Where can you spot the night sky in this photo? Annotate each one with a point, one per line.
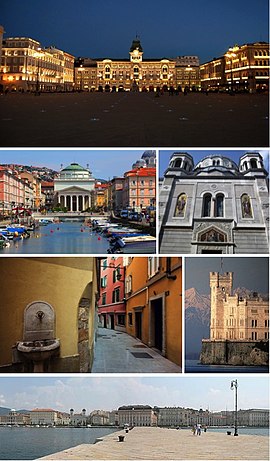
(249, 272)
(106, 28)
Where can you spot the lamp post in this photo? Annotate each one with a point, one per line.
(38, 69)
(234, 385)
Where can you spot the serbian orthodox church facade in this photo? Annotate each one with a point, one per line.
(214, 206)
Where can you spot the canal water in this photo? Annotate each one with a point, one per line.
(60, 238)
(34, 442)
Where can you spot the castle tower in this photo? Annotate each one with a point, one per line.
(221, 287)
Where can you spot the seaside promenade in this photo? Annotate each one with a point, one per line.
(151, 443)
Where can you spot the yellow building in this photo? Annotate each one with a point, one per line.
(137, 73)
(154, 304)
(52, 298)
(26, 66)
(245, 67)
(234, 317)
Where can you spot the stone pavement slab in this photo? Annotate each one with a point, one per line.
(118, 352)
(149, 443)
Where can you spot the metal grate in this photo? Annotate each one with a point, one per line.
(141, 355)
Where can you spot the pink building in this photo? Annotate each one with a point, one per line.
(11, 190)
(111, 305)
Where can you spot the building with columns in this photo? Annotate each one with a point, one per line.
(214, 205)
(137, 415)
(73, 188)
(137, 73)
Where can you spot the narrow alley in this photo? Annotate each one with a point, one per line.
(117, 352)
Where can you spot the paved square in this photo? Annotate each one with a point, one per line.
(133, 120)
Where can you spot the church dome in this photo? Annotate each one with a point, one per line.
(216, 164)
(74, 170)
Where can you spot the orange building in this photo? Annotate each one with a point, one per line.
(154, 303)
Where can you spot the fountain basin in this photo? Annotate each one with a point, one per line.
(39, 351)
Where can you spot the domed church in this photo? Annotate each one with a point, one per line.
(73, 187)
(214, 206)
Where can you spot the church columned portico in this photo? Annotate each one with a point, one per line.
(74, 187)
(75, 202)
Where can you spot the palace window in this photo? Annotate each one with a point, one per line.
(116, 295)
(103, 300)
(104, 281)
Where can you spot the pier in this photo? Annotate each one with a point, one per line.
(154, 443)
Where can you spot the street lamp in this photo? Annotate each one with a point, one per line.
(37, 55)
(234, 385)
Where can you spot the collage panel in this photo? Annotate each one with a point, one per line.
(115, 314)
(214, 201)
(174, 418)
(227, 314)
(51, 204)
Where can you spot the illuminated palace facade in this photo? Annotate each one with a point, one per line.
(137, 73)
(26, 66)
(244, 67)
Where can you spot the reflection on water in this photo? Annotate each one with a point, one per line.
(60, 238)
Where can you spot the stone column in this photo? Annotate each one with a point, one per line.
(65, 201)
(77, 203)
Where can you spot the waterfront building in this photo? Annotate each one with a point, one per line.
(113, 418)
(62, 291)
(137, 415)
(43, 417)
(11, 190)
(99, 418)
(26, 66)
(111, 304)
(242, 67)
(215, 206)
(139, 187)
(47, 189)
(239, 325)
(254, 417)
(136, 73)
(13, 418)
(234, 317)
(78, 419)
(73, 188)
(35, 184)
(173, 416)
(116, 192)
(100, 196)
(154, 304)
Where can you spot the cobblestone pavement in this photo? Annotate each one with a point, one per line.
(162, 444)
(133, 120)
(117, 352)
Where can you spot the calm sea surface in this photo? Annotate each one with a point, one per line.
(33, 442)
(193, 366)
(60, 238)
(264, 431)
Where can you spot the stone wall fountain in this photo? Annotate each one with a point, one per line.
(39, 344)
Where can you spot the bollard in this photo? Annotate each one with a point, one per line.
(121, 438)
(228, 432)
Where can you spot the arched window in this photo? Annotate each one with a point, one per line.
(180, 207)
(253, 163)
(219, 208)
(246, 206)
(136, 71)
(206, 210)
(178, 163)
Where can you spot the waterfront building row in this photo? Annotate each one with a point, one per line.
(75, 189)
(27, 66)
(137, 416)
